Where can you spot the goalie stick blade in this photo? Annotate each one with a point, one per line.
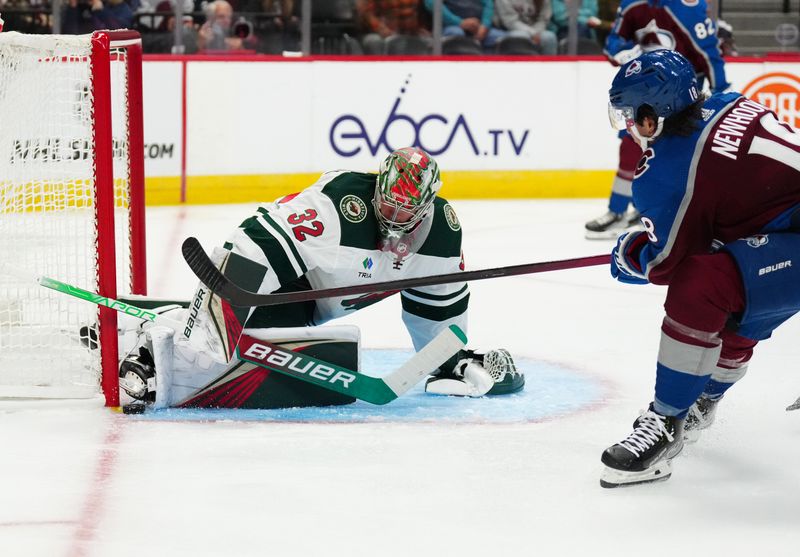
(368, 388)
(205, 270)
(435, 353)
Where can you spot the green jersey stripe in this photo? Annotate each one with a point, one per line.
(299, 260)
(435, 313)
(441, 297)
(273, 249)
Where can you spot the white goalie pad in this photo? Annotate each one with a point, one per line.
(183, 370)
(349, 333)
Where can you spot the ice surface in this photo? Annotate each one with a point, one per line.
(416, 477)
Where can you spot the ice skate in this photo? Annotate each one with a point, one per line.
(646, 454)
(701, 415)
(610, 225)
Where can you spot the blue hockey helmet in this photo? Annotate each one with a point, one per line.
(662, 79)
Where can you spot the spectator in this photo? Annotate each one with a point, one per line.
(389, 18)
(85, 16)
(559, 23)
(163, 38)
(111, 14)
(280, 32)
(470, 18)
(162, 6)
(220, 33)
(606, 14)
(76, 18)
(529, 17)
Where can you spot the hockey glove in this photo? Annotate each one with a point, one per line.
(468, 378)
(625, 265)
(624, 56)
(475, 374)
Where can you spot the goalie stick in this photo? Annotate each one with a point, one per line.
(375, 390)
(207, 272)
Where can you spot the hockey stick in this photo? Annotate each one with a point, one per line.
(324, 374)
(93, 297)
(376, 390)
(116, 305)
(209, 275)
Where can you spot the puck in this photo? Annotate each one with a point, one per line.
(133, 408)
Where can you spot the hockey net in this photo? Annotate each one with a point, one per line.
(71, 207)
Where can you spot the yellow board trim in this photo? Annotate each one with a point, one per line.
(484, 184)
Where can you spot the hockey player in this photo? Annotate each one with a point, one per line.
(641, 26)
(718, 187)
(348, 228)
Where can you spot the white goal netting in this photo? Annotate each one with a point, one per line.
(48, 220)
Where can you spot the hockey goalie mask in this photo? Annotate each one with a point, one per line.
(407, 183)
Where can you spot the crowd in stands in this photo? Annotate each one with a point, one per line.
(369, 27)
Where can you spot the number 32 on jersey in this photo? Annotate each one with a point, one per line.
(305, 224)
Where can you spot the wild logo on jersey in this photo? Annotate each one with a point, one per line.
(451, 218)
(353, 209)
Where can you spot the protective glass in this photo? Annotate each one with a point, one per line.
(621, 117)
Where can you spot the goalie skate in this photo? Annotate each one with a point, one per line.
(137, 376)
(646, 454)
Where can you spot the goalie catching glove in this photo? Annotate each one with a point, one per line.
(475, 374)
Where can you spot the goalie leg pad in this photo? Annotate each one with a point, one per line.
(246, 383)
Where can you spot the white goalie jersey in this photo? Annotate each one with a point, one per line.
(328, 234)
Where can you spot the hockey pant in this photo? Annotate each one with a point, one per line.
(718, 307)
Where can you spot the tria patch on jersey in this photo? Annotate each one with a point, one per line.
(353, 209)
(451, 218)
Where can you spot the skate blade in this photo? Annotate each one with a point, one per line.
(692, 436)
(611, 478)
(604, 235)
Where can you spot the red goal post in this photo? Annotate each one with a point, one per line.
(71, 207)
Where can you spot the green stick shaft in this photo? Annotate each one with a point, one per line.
(116, 305)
